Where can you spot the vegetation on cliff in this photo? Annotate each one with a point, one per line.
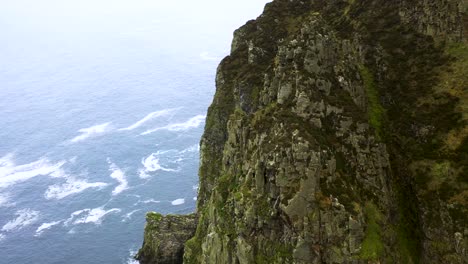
(338, 134)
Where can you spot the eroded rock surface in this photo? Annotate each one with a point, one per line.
(165, 237)
(339, 134)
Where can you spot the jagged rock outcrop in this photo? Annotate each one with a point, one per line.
(165, 237)
(339, 134)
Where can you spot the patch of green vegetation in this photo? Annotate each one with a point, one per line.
(440, 171)
(226, 184)
(274, 252)
(193, 247)
(348, 7)
(375, 109)
(153, 216)
(372, 246)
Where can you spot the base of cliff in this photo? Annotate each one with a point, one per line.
(165, 237)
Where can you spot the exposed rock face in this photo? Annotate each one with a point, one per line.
(339, 134)
(165, 237)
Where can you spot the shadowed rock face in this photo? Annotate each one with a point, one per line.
(165, 237)
(338, 134)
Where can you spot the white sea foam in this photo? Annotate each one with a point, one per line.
(2, 237)
(152, 164)
(149, 117)
(195, 187)
(11, 174)
(70, 187)
(90, 216)
(178, 202)
(93, 131)
(118, 175)
(146, 202)
(131, 260)
(143, 174)
(195, 198)
(193, 122)
(128, 216)
(150, 201)
(46, 226)
(24, 217)
(5, 200)
(6, 161)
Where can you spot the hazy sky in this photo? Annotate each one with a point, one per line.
(40, 29)
(122, 15)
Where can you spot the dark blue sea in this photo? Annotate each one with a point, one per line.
(102, 106)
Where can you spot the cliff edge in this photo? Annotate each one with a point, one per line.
(338, 134)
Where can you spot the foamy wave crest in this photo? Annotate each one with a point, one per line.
(72, 186)
(178, 202)
(119, 176)
(130, 259)
(24, 217)
(46, 226)
(143, 174)
(146, 202)
(193, 122)
(150, 201)
(152, 164)
(93, 131)
(5, 200)
(11, 174)
(128, 216)
(149, 117)
(2, 237)
(90, 216)
(6, 161)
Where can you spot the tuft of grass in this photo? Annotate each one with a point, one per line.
(156, 217)
(372, 246)
(375, 109)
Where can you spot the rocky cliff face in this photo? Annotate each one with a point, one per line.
(338, 134)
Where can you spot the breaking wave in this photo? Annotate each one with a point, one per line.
(5, 200)
(46, 226)
(70, 187)
(93, 131)
(90, 216)
(152, 164)
(11, 174)
(149, 117)
(193, 122)
(24, 217)
(119, 176)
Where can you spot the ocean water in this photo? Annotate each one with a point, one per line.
(102, 105)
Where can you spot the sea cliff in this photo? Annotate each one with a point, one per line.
(338, 134)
